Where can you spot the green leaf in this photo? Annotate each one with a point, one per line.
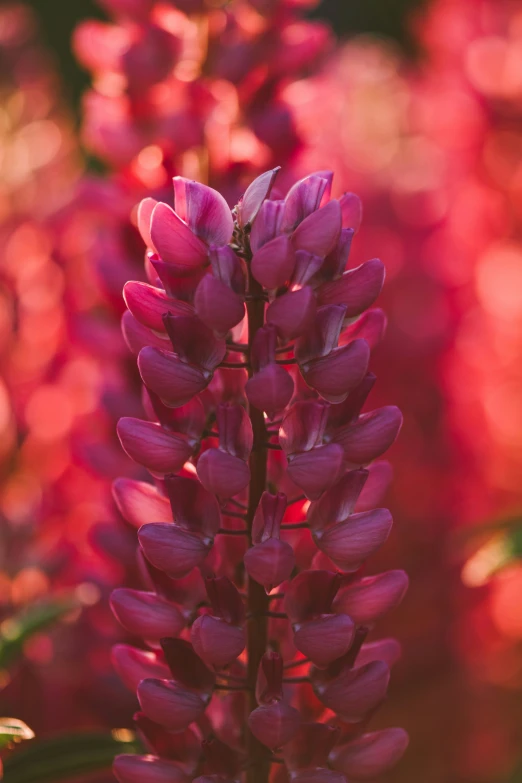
(67, 756)
(13, 730)
(18, 629)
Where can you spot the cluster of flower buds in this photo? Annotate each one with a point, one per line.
(203, 77)
(253, 346)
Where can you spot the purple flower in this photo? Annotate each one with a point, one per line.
(253, 345)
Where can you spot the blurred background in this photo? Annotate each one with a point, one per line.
(421, 115)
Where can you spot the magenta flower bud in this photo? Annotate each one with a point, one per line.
(268, 517)
(306, 267)
(316, 470)
(131, 768)
(219, 297)
(322, 338)
(293, 313)
(348, 411)
(148, 304)
(325, 639)
(335, 375)
(133, 665)
(335, 262)
(193, 507)
(224, 471)
(146, 614)
(139, 502)
(179, 280)
(271, 387)
(274, 724)
(204, 210)
(270, 561)
(367, 600)
(174, 381)
(225, 599)
(355, 692)
(310, 594)
(370, 755)
(310, 747)
(173, 240)
(318, 634)
(303, 198)
(357, 289)
(193, 342)
(172, 549)
(267, 224)
(273, 264)
(169, 704)
(371, 327)
(217, 305)
(152, 446)
(351, 208)
(217, 642)
(370, 436)
(228, 268)
(254, 196)
(303, 426)
(319, 232)
(349, 543)
(339, 502)
(186, 666)
(387, 650)
(138, 336)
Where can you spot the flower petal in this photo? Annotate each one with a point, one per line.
(367, 600)
(133, 665)
(273, 264)
(316, 470)
(255, 194)
(172, 549)
(170, 704)
(371, 755)
(148, 304)
(319, 232)
(173, 239)
(150, 445)
(146, 614)
(174, 381)
(140, 502)
(370, 436)
(217, 642)
(222, 473)
(217, 305)
(205, 211)
(357, 289)
(348, 544)
(336, 375)
(293, 313)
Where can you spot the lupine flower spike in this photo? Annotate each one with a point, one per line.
(257, 445)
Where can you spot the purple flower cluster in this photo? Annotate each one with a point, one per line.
(253, 342)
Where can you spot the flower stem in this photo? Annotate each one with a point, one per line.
(258, 769)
